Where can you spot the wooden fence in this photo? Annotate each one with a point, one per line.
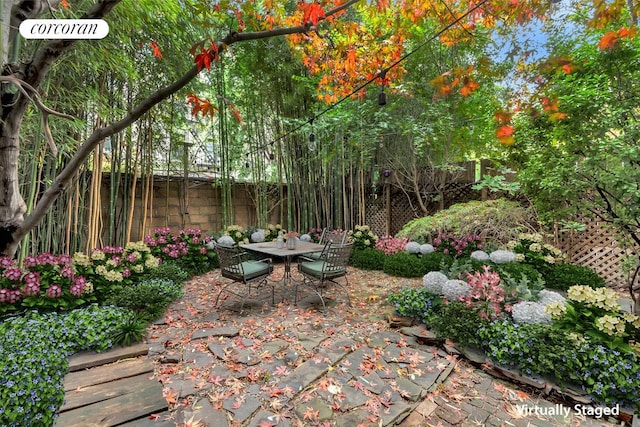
(597, 248)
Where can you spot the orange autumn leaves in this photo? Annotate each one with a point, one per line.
(458, 80)
(611, 38)
(505, 132)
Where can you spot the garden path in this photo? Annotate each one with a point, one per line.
(291, 365)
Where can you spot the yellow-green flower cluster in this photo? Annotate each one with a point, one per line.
(81, 259)
(109, 275)
(363, 237)
(611, 325)
(139, 246)
(635, 347)
(556, 309)
(603, 298)
(534, 237)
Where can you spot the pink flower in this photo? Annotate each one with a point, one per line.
(67, 272)
(126, 273)
(32, 278)
(203, 250)
(31, 289)
(54, 291)
(13, 273)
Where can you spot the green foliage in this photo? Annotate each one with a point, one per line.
(148, 298)
(168, 269)
(459, 323)
(497, 220)
(418, 303)
(518, 271)
(610, 376)
(368, 259)
(34, 351)
(436, 261)
(461, 267)
(564, 276)
(533, 349)
(130, 331)
(403, 264)
(520, 288)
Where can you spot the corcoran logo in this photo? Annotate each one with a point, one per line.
(65, 29)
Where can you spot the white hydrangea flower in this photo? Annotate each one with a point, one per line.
(412, 247)
(502, 257)
(546, 297)
(529, 312)
(433, 281)
(257, 236)
(426, 249)
(305, 238)
(455, 289)
(226, 241)
(211, 244)
(480, 255)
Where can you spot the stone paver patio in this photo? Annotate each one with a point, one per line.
(293, 366)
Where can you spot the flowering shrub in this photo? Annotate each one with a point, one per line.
(427, 248)
(531, 249)
(391, 245)
(237, 233)
(258, 236)
(502, 257)
(46, 282)
(529, 312)
(273, 231)
(450, 244)
(419, 304)
(597, 314)
(486, 294)
(455, 289)
(363, 237)
(190, 248)
(433, 281)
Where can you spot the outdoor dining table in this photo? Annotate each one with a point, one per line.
(287, 255)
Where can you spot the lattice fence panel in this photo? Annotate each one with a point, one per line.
(376, 215)
(597, 248)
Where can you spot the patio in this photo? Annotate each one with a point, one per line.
(291, 365)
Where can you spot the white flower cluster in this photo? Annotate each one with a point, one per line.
(426, 249)
(257, 236)
(546, 297)
(502, 257)
(412, 247)
(433, 281)
(480, 256)
(455, 289)
(305, 238)
(226, 241)
(529, 312)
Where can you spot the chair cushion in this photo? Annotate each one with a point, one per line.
(251, 269)
(320, 269)
(313, 255)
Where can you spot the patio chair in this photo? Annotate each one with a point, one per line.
(333, 236)
(238, 266)
(320, 273)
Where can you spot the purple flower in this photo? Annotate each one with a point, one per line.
(67, 272)
(32, 278)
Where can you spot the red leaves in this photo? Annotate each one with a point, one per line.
(65, 4)
(505, 131)
(312, 12)
(550, 106)
(205, 55)
(155, 48)
(201, 106)
(610, 39)
(446, 82)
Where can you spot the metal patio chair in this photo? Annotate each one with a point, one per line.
(333, 236)
(238, 266)
(320, 273)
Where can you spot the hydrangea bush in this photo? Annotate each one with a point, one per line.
(596, 313)
(46, 282)
(190, 248)
(457, 246)
(363, 237)
(531, 249)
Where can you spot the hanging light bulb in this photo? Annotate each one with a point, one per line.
(382, 97)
